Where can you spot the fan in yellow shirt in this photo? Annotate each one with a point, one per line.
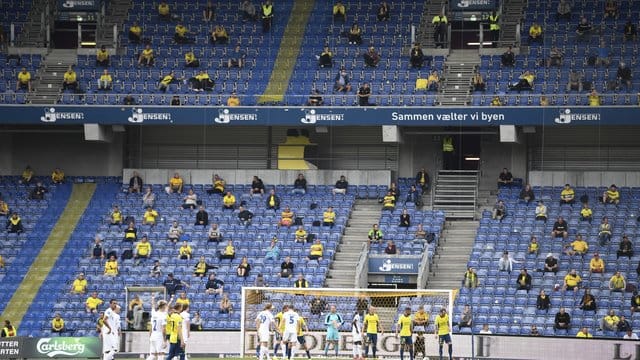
(24, 80)
(586, 214)
(316, 250)
(594, 98)
(105, 81)
(70, 79)
(535, 32)
(102, 57)
(149, 217)
(164, 12)
(146, 56)
(301, 235)
(567, 195)
(611, 196)
(57, 324)
(584, 333)
(135, 33)
(233, 100)
(180, 36)
(229, 251)
(57, 176)
(116, 216)
(79, 285)
(185, 251)
(92, 303)
(229, 201)
(442, 331)
(190, 59)
(111, 267)
(328, 217)
(143, 248)
(176, 183)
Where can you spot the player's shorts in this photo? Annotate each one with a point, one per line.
(333, 334)
(406, 340)
(289, 336)
(359, 342)
(157, 345)
(264, 336)
(446, 338)
(301, 340)
(278, 336)
(356, 337)
(372, 338)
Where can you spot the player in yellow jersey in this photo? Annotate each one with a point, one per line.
(301, 330)
(279, 331)
(176, 342)
(372, 326)
(405, 329)
(442, 332)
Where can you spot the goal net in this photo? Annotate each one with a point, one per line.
(313, 305)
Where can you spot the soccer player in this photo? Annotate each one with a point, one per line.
(442, 332)
(264, 324)
(372, 324)
(109, 331)
(301, 340)
(176, 343)
(186, 327)
(356, 336)
(405, 329)
(279, 331)
(291, 329)
(332, 321)
(157, 333)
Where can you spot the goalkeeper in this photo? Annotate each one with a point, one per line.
(333, 321)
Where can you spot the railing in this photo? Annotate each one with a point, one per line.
(423, 270)
(362, 269)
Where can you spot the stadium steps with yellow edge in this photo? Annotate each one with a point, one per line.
(23, 297)
(288, 52)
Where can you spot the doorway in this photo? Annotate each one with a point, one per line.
(467, 150)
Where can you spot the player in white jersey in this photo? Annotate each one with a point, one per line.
(110, 331)
(186, 326)
(291, 326)
(264, 325)
(158, 333)
(356, 336)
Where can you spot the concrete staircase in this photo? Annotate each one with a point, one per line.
(34, 32)
(453, 254)
(425, 29)
(512, 15)
(116, 14)
(459, 68)
(455, 193)
(342, 273)
(48, 80)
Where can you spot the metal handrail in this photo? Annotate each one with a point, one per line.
(362, 273)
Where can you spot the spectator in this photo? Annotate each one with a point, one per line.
(24, 80)
(466, 318)
(563, 11)
(150, 216)
(371, 57)
(225, 306)
(420, 318)
(584, 333)
(577, 247)
(477, 82)
(105, 81)
(243, 268)
(508, 58)
(219, 36)
(174, 232)
(364, 93)
(544, 101)
(218, 185)
(143, 250)
(596, 264)
(341, 186)
(499, 211)
(575, 81)
(315, 98)
(38, 192)
(301, 235)
(286, 217)
(135, 183)
(209, 12)
(301, 282)
(535, 33)
(572, 281)
(383, 11)
(14, 224)
(389, 201)
(630, 31)
(413, 196)
(393, 189)
(136, 309)
(594, 98)
(422, 179)
(562, 320)
(273, 200)
(625, 248)
(534, 246)
(166, 81)
(391, 248)
(202, 217)
(586, 214)
(485, 330)
(267, 15)
(57, 324)
(439, 23)
(604, 232)
(229, 201)
(70, 79)
(541, 211)
(102, 57)
(635, 302)
(92, 303)
(543, 302)
(244, 216)
(214, 286)
(342, 81)
(300, 185)
(196, 323)
(611, 9)
(326, 58)
(494, 27)
(316, 251)
(27, 175)
(617, 282)
(233, 99)
(135, 33)
(534, 331)
(214, 234)
(248, 11)
(355, 35)
(201, 267)
(257, 186)
(164, 12)
(550, 263)
(190, 59)
(556, 57)
(560, 228)
(185, 252)
(496, 101)
(149, 197)
(111, 266)
(156, 269)
(146, 56)
(611, 195)
(286, 268)
(173, 285)
(629, 335)
(603, 54)
(610, 321)
(375, 235)
(433, 81)
(229, 251)
(79, 285)
(4, 208)
(623, 324)
(273, 251)
(131, 233)
(470, 279)
(97, 250)
(405, 219)
(237, 58)
(506, 262)
(583, 31)
(525, 82)
(339, 12)
(190, 201)
(202, 82)
(416, 58)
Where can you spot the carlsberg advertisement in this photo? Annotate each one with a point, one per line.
(51, 348)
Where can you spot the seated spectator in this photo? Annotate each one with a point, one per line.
(604, 232)
(341, 186)
(97, 250)
(190, 59)
(617, 282)
(143, 250)
(485, 330)
(603, 54)
(506, 262)
(175, 184)
(219, 35)
(524, 280)
(325, 59)
(505, 178)
(190, 201)
(225, 306)
(102, 57)
(111, 266)
(391, 248)
(544, 101)
(389, 201)
(4, 208)
(562, 320)
(257, 186)
(625, 248)
(131, 233)
(594, 98)
(243, 268)
(499, 211)
(610, 321)
(371, 57)
(624, 76)
(79, 285)
(611, 195)
(105, 81)
(57, 324)
(541, 211)
(229, 201)
(218, 185)
(534, 331)
(466, 318)
(233, 99)
(136, 183)
(630, 31)
(611, 9)
(286, 217)
(556, 57)
(214, 234)
(185, 252)
(534, 246)
(383, 11)
(286, 268)
(470, 279)
(174, 233)
(550, 263)
(543, 302)
(420, 235)
(214, 286)
(57, 176)
(416, 58)
(329, 217)
(202, 217)
(405, 219)
(364, 93)
(27, 175)
(273, 251)
(596, 264)
(237, 58)
(150, 216)
(477, 82)
(14, 224)
(375, 235)
(635, 302)
(164, 12)
(339, 12)
(38, 192)
(173, 284)
(316, 251)
(229, 251)
(342, 81)
(300, 185)
(135, 33)
(202, 82)
(525, 82)
(273, 200)
(575, 81)
(315, 98)
(355, 35)
(496, 101)
(567, 195)
(70, 79)
(92, 303)
(572, 281)
(577, 247)
(535, 33)
(201, 267)
(301, 282)
(563, 10)
(248, 11)
(586, 214)
(156, 269)
(583, 31)
(244, 216)
(301, 235)
(167, 80)
(508, 58)
(413, 196)
(624, 325)
(584, 333)
(147, 56)
(24, 80)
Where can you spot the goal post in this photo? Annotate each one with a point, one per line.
(313, 304)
